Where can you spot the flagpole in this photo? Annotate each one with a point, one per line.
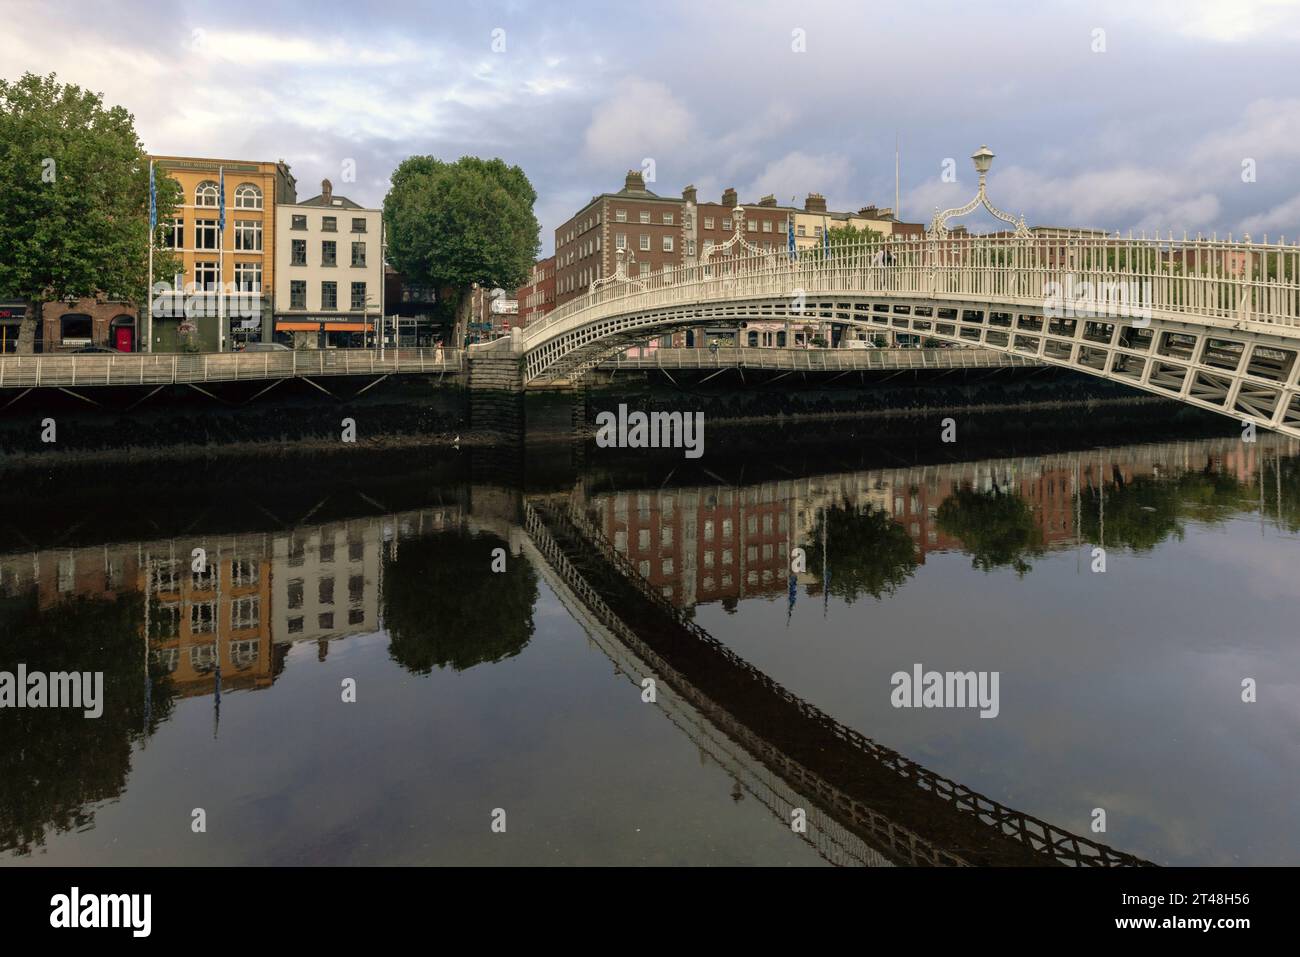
(221, 267)
(148, 293)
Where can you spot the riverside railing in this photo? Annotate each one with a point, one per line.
(95, 369)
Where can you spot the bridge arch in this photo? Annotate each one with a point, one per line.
(1209, 323)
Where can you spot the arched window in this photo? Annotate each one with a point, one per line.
(248, 196)
(206, 193)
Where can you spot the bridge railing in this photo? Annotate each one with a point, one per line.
(815, 360)
(1220, 282)
(91, 369)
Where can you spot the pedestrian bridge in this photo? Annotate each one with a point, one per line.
(1212, 323)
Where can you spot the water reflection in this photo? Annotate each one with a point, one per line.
(164, 628)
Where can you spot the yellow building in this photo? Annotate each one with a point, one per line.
(814, 219)
(241, 260)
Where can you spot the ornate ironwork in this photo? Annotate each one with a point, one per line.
(983, 158)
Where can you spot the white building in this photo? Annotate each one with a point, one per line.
(329, 272)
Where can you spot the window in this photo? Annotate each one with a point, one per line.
(329, 224)
(328, 252)
(668, 219)
(726, 225)
(620, 215)
(358, 224)
(329, 295)
(299, 253)
(767, 225)
(294, 593)
(708, 222)
(203, 618)
(645, 241)
(752, 226)
(248, 277)
(358, 254)
(801, 230)
(325, 591)
(297, 294)
(248, 196)
(643, 269)
(205, 275)
(206, 193)
(690, 248)
(645, 216)
(620, 241)
(174, 236)
(205, 234)
(668, 244)
(248, 235)
(358, 296)
(245, 612)
(76, 329)
(299, 221)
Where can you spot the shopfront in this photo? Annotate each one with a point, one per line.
(11, 319)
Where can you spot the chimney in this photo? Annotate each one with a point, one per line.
(768, 200)
(688, 194)
(635, 182)
(729, 196)
(868, 212)
(326, 192)
(815, 203)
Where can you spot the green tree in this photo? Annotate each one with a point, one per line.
(74, 199)
(451, 225)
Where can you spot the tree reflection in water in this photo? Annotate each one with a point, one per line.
(445, 607)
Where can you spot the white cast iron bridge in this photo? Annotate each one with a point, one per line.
(1212, 323)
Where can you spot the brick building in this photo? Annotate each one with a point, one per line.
(537, 298)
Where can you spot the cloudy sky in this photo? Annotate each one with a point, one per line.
(1119, 115)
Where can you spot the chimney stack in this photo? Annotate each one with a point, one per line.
(729, 196)
(768, 200)
(688, 194)
(326, 192)
(815, 203)
(635, 182)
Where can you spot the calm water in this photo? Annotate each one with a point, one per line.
(521, 690)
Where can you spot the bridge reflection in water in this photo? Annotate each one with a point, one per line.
(629, 566)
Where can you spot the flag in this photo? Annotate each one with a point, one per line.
(221, 201)
(826, 241)
(790, 225)
(153, 203)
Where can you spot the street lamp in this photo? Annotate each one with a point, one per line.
(983, 159)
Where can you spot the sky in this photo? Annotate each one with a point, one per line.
(1179, 115)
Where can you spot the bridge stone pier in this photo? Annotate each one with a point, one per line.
(496, 389)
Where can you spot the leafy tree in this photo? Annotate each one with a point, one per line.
(996, 528)
(441, 610)
(870, 553)
(456, 224)
(74, 199)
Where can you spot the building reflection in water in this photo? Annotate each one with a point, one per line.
(255, 595)
(724, 544)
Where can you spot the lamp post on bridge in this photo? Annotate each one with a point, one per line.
(983, 160)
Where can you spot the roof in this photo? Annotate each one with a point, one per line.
(339, 202)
